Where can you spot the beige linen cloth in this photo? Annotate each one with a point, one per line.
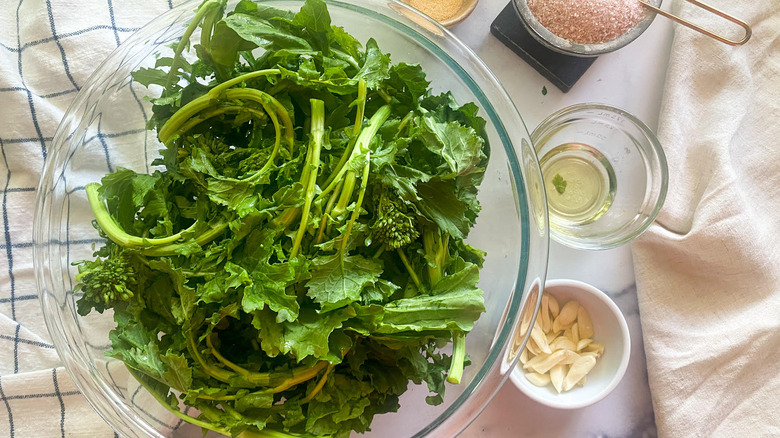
(708, 270)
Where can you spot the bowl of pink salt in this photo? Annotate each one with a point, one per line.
(585, 27)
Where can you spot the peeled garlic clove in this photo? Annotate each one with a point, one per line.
(552, 304)
(567, 316)
(549, 361)
(538, 379)
(569, 357)
(541, 341)
(577, 371)
(533, 361)
(575, 333)
(550, 337)
(557, 373)
(596, 348)
(581, 383)
(586, 325)
(562, 343)
(582, 344)
(524, 356)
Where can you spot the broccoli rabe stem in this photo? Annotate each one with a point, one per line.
(328, 208)
(436, 245)
(310, 396)
(358, 204)
(217, 111)
(209, 10)
(176, 124)
(200, 240)
(458, 357)
(162, 400)
(309, 174)
(114, 232)
(436, 250)
(346, 194)
(361, 148)
(408, 266)
(214, 92)
(276, 381)
(160, 246)
(213, 414)
(360, 102)
(404, 122)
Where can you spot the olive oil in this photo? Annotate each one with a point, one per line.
(580, 184)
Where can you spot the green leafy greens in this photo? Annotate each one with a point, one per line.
(297, 256)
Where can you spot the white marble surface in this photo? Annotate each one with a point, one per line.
(631, 78)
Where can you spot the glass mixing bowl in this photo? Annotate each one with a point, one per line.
(104, 128)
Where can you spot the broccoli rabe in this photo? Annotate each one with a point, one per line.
(394, 225)
(206, 142)
(110, 278)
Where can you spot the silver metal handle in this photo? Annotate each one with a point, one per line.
(748, 30)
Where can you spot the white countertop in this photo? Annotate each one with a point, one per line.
(631, 78)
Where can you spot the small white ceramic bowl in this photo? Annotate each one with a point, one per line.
(609, 329)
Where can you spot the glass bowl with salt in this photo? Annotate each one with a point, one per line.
(585, 28)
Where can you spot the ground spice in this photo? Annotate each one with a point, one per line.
(587, 21)
(439, 10)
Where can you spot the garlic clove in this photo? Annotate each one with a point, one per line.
(567, 316)
(541, 340)
(578, 370)
(552, 304)
(562, 343)
(538, 379)
(557, 373)
(548, 361)
(582, 344)
(586, 325)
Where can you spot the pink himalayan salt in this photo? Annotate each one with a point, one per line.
(587, 21)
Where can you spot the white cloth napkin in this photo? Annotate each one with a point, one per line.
(708, 270)
(48, 49)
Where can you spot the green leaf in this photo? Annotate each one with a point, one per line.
(376, 66)
(440, 204)
(263, 34)
(306, 336)
(337, 280)
(148, 76)
(268, 288)
(456, 308)
(459, 146)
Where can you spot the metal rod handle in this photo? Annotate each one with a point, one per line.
(748, 30)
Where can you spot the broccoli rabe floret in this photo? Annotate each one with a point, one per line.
(394, 225)
(253, 162)
(206, 142)
(105, 281)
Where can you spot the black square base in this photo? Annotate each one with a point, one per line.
(562, 70)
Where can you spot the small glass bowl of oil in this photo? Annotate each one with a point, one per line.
(605, 175)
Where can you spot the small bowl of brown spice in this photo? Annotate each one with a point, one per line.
(447, 12)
